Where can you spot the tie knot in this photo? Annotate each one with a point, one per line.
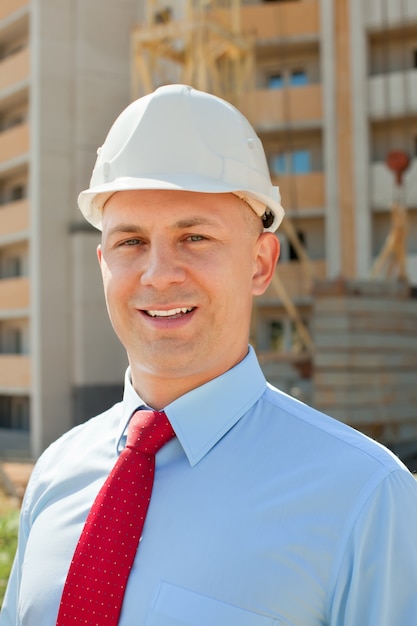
(148, 431)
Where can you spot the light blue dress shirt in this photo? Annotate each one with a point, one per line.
(264, 512)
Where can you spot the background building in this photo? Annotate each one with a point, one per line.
(331, 88)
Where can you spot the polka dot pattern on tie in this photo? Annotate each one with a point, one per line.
(98, 574)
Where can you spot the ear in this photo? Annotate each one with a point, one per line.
(99, 254)
(266, 259)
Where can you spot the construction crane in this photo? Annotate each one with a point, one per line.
(391, 260)
(199, 42)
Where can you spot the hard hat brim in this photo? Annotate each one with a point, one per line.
(91, 201)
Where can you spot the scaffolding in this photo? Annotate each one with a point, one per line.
(198, 42)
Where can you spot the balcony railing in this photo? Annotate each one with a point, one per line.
(301, 191)
(15, 372)
(268, 109)
(393, 94)
(285, 19)
(14, 142)
(14, 293)
(14, 69)
(275, 20)
(389, 13)
(14, 217)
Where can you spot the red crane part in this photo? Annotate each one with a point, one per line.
(398, 162)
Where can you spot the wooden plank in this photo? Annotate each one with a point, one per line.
(341, 287)
(400, 324)
(389, 398)
(386, 378)
(382, 343)
(356, 304)
(365, 361)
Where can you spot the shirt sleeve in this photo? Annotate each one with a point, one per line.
(9, 613)
(376, 580)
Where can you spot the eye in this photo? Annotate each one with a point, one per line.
(132, 242)
(196, 238)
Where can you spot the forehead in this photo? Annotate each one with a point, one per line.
(170, 206)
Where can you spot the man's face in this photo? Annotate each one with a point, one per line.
(179, 272)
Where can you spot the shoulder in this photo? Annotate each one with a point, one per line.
(309, 432)
(63, 456)
(333, 467)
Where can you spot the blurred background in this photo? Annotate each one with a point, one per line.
(330, 86)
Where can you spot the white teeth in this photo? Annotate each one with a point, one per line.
(169, 313)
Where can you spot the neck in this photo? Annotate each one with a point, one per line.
(158, 390)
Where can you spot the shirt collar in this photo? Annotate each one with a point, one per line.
(204, 415)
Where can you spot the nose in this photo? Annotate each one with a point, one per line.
(162, 267)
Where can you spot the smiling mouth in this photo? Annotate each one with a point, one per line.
(170, 312)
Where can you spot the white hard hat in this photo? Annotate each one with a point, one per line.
(178, 138)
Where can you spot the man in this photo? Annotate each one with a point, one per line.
(263, 511)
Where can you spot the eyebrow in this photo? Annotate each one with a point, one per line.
(191, 222)
(123, 228)
(181, 224)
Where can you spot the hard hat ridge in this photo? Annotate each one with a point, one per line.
(179, 138)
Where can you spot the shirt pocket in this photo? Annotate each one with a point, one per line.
(174, 606)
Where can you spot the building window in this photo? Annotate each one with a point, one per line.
(11, 267)
(292, 254)
(11, 341)
(17, 193)
(13, 194)
(14, 49)
(275, 81)
(298, 78)
(12, 121)
(296, 162)
(291, 78)
(14, 413)
(283, 336)
(300, 162)
(276, 334)
(278, 163)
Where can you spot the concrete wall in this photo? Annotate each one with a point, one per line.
(80, 78)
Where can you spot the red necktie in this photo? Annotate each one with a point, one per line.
(97, 577)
